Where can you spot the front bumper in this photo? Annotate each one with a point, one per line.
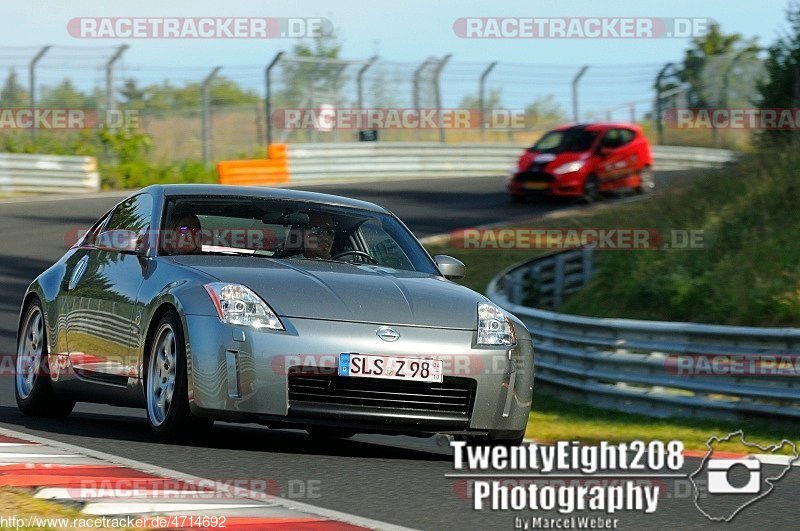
(237, 373)
(543, 183)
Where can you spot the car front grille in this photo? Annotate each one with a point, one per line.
(534, 176)
(454, 396)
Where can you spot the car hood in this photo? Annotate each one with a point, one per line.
(550, 161)
(318, 289)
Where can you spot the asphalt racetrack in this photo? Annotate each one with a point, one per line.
(397, 480)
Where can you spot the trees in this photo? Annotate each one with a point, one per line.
(781, 88)
(304, 82)
(164, 96)
(65, 95)
(13, 94)
(493, 100)
(720, 69)
(543, 111)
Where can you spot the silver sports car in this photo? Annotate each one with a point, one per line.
(290, 309)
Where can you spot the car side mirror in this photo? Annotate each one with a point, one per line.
(450, 267)
(120, 240)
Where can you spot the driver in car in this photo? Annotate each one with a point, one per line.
(318, 236)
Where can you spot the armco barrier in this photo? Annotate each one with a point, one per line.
(375, 160)
(631, 365)
(371, 160)
(48, 173)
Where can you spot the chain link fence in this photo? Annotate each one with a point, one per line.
(219, 112)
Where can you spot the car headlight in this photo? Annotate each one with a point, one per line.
(569, 167)
(494, 328)
(239, 305)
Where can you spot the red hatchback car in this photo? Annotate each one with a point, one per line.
(584, 161)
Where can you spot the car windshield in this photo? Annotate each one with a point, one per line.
(567, 141)
(290, 230)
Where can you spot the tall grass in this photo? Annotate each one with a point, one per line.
(747, 273)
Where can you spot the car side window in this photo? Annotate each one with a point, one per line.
(626, 136)
(90, 238)
(382, 247)
(612, 139)
(133, 214)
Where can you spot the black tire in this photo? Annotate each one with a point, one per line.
(517, 198)
(591, 189)
(647, 181)
(37, 398)
(178, 422)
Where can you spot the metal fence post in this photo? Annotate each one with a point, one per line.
(575, 81)
(659, 109)
(268, 96)
(206, 117)
(482, 96)
(415, 99)
(32, 81)
(360, 80)
(438, 94)
(110, 101)
(415, 82)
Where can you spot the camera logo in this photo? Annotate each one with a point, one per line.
(729, 480)
(719, 483)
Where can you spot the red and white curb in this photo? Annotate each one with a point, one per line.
(79, 476)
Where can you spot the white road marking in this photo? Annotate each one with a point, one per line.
(92, 493)
(25, 456)
(174, 474)
(115, 508)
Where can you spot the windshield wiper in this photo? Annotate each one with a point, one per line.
(301, 257)
(216, 253)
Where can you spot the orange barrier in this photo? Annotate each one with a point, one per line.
(273, 170)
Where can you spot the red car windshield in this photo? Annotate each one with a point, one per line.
(567, 141)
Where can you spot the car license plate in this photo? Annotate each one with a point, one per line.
(536, 186)
(390, 367)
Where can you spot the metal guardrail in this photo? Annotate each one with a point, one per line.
(48, 173)
(409, 159)
(399, 159)
(632, 365)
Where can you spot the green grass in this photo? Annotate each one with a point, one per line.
(555, 420)
(748, 273)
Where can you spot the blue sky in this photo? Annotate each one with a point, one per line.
(408, 30)
(404, 30)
